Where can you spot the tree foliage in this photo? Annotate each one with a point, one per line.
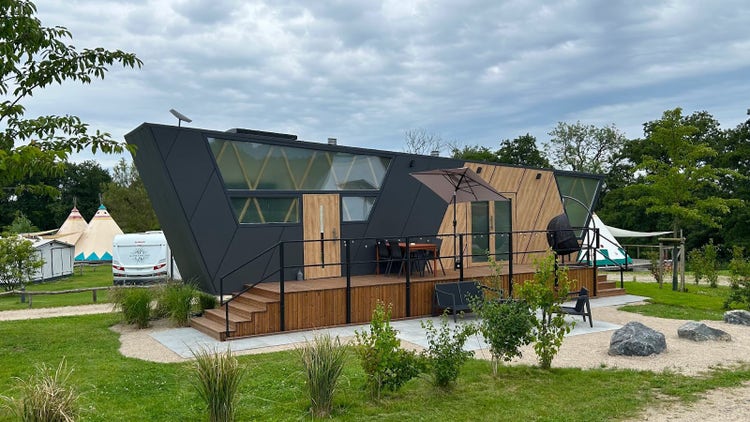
(19, 261)
(33, 58)
(585, 148)
(127, 200)
(520, 151)
(420, 141)
(679, 182)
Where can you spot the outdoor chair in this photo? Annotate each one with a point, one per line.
(384, 255)
(457, 296)
(398, 256)
(436, 254)
(582, 306)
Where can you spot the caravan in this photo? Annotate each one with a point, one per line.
(141, 258)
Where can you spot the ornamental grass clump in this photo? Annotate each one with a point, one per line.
(445, 354)
(176, 299)
(323, 360)
(216, 378)
(46, 397)
(135, 304)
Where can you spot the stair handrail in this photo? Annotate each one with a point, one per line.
(225, 303)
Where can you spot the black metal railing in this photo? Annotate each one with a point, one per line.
(347, 262)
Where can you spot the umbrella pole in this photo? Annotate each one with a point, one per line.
(455, 251)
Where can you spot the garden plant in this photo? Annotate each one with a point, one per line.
(323, 360)
(445, 354)
(217, 378)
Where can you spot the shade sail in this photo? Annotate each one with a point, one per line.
(463, 182)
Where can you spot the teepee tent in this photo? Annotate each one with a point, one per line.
(72, 228)
(96, 242)
(610, 251)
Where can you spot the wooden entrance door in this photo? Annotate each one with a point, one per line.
(321, 220)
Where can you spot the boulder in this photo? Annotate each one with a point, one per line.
(635, 339)
(698, 331)
(737, 316)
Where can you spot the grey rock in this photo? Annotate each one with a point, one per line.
(698, 331)
(635, 339)
(737, 316)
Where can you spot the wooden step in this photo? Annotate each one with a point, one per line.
(212, 328)
(610, 292)
(603, 285)
(251, 298)
(266, 291)
(219, 316)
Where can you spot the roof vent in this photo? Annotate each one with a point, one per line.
(435, 153)
(331, 141)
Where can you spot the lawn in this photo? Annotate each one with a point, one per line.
(100, 276)
(700, 302)
(119, 388)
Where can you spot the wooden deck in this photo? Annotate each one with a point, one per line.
(321, 302)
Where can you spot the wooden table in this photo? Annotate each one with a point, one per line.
(427, 247)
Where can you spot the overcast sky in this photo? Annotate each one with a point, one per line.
(472, 72)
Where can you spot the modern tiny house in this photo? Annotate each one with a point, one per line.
(224, 198)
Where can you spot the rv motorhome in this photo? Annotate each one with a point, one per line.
(142, 258)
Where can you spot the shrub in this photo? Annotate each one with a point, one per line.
(546, 292)
(207, 301)
(506, 327)
(323, 360)
(176, 299)
(739, 270)
(135, 304)
(46, 396)
(704, 265)
(505, 324)
(387, 366)
(217, 377)
(445, 354)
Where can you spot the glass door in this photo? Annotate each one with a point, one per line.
(486, 219)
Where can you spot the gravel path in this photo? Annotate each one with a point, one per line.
(582, 351)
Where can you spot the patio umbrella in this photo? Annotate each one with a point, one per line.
(458, 185)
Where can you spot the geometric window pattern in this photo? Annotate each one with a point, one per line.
(577, 194)
(255, 166)
(356, 208)
(260, 210)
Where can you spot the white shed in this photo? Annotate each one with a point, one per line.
(58, 259)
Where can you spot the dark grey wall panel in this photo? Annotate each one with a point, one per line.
(213, 225)
(165, 137)
(190, 166)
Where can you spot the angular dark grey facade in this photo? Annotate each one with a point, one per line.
(200, 220)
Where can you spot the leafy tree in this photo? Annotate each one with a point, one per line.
(522, 151)
(21, 224)
(475, 153)
(676, 181)
(128, 201)
(18, 261)
(34, 57)
(585, 148)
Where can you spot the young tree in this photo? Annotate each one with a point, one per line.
(18, 261)
(676, 181)
(21, 224)
(34, 57)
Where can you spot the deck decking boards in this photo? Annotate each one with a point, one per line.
(321, 302)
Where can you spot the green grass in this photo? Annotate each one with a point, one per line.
(119, 388)
(698, 303)
(100, 276)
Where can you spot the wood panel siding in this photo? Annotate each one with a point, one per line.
(322, 303)
(322, 210)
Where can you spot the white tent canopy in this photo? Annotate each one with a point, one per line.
(96, 242)
(610, 251)
(630, 233)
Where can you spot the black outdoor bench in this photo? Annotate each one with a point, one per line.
(456, 296)
(582, 306)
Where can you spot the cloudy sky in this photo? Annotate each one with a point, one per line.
(473, 72)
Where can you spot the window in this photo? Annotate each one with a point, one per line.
(356, 208)
(260, 210)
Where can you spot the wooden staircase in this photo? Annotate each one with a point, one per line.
(254, 312)
(606, 288)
